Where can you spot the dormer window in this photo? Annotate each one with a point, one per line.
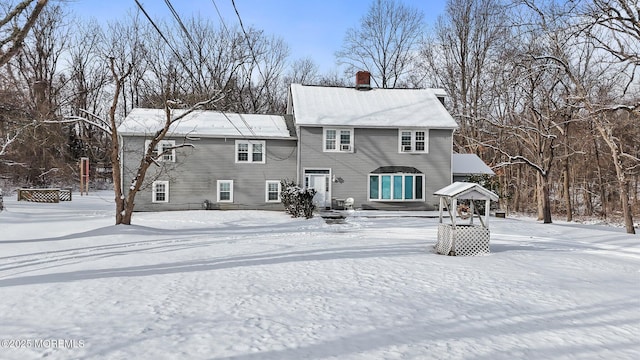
(413, 141)
(338, 140)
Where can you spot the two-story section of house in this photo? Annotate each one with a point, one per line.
(232, 161)
(383, 148)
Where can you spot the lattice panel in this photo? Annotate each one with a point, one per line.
(471, 240)
(39, 195)
(462, 240)
(65, 194)
(445, 239)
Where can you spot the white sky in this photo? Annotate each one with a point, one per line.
(311, 28)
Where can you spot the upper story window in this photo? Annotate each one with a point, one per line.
(337, 140)
(250, 151)
(164, 151)
(413, 141)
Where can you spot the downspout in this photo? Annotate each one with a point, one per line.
(298, 155)
(121, 156)
(451, 162)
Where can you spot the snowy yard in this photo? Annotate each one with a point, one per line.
(252, 285)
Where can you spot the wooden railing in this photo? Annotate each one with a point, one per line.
(44, 195)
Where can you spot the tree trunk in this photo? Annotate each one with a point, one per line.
(117, 180)
(567, 189)
(626, 208)
(546, 203)
(540, 195)
(516, 195)
(115, 148)
(601, 187)
(128, 210)
(586, 191)
(621, 176)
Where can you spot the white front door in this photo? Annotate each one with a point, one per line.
(320, 183)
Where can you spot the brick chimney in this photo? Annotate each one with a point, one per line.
(363, 80)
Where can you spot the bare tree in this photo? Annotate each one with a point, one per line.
(385, 43)
(461, 56)
(303, 71)
(86, 91)
(36, 77)
(13, 29)
(615, 27)
(125, 203)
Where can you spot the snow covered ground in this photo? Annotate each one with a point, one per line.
(252, 285)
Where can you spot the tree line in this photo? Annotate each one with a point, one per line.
(546, 92)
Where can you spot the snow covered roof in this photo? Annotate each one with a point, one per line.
(206, 123)
(469, 164)
(465, 190)
(341, 106)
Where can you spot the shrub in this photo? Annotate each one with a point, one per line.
(297, 201)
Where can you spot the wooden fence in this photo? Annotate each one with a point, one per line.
(44, 195)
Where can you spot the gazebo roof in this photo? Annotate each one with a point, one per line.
(465, 190)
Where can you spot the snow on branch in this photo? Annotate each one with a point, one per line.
(514, 159)
(74, 119)
(12, 138)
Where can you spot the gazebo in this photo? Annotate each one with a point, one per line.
(461, 236)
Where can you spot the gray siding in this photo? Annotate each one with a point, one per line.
(193, 177)
(374, 148)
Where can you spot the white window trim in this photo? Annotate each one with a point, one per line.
(392, 185)
(154, 192)
(250, 144)
(230, 191)
(156, 151)
(413, 141)
(338, 144)
(266, 191)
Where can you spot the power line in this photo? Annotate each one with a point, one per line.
(220, 16)
(190, 38)
(177, 17)
(175, 52)
(246, 36)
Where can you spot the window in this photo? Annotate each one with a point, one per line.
(396, 187)
(338, 140)
(273, 191)
(165, 149)
(413, 141)
(250, 151)
(160, 191)
(225, 190)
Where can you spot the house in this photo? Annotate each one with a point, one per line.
(236, 161)
(382, 148)
(467, 165)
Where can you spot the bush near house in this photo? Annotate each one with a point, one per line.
(298, 202)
